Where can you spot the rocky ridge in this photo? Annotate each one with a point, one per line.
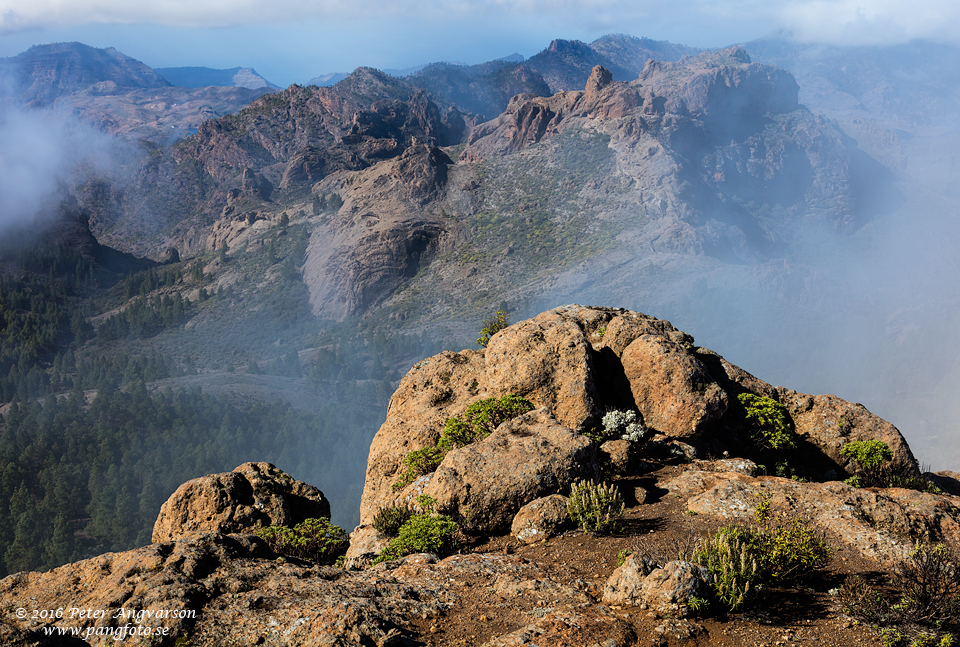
(574, 363)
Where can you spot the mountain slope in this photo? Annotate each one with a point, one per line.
(45, 72)
(199, 77)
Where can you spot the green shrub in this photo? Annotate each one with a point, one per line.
(418, 463)
(788, 548)
(388, 521)
(422, 533)
(491, 327)
(476, 423)
(869, 454)
(311, 539)
(480, 419)
(595, 508)
(731, 557)
(773, 428)
(746, 559)
(875, 469)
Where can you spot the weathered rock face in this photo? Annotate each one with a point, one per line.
(524, 459)
(386, 231)
(880, 524)
(540, 519)
(365, 544)
(578, 362)
(548, 361)
(252, 496)
(666, 590)
(671, 388)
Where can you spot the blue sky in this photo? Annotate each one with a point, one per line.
(294, 40)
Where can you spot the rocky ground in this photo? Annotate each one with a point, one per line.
(520, 575)
(497, 591)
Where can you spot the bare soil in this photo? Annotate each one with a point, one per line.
(662, 529)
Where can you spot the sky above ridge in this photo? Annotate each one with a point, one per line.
(296, 40)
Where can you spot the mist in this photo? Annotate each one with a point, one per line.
(46, 153)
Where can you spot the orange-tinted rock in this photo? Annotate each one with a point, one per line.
(526, 458)
(252, 496)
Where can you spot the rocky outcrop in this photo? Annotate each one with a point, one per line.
(252, 496)
(880, 524)
(575, 363)
(387, 230)
(529, 457)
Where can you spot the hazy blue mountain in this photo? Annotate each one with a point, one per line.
(45, 72)
(200, 77)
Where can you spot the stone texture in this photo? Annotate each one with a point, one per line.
(665, 590)
(365, 544)
(624, 585)
(547, 360)
(252, 496)
(540, 519)
(880, 524)
(674, 392)
(619, 458)
(526, 458)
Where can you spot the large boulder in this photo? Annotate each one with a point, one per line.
(526, 458)
(250, 497)
(674, 392)
(547, 360)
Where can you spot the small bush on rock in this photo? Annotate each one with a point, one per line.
(595, 508)
(874, 468)
(491, 327)
(311, 539)
(388, 521)
(623, 425)
(422, 533)
(480, 419)
(773, 428)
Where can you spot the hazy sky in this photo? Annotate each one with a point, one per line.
(295, 40)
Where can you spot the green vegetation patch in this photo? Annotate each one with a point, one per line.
(744, 560)
(476, 423)
(428, 532)
(311, 539)
(771, 424)
(596, 508)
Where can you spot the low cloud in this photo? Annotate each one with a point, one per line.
(45, 152)
(828, 21)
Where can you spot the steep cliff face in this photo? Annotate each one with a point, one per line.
(388, 229)
(366, 118)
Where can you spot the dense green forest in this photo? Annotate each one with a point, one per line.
(103, 403)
